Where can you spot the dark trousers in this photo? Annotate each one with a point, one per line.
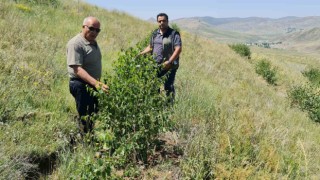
(169, 82)
(86, 103)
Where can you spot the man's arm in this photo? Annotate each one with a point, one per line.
(146, 50)
(175, 55)
(167, 64)
(83, 74)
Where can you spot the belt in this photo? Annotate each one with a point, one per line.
(78, 79)
(75, 79)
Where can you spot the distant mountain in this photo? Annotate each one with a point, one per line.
(252, 25)
(152, 20)
(307, 40)
(304, 36)
(294, 30)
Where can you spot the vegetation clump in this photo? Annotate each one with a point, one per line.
(307, 98)
(313, 75)
(263, 68)
(241, 49)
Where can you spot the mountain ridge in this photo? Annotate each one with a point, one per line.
(287, 30)
(254, 25)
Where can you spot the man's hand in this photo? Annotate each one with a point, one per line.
(166, 65)
(103, 86)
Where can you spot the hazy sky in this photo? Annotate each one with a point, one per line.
(145, 9)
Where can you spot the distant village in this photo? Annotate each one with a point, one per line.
(266, 44)
(263, 44)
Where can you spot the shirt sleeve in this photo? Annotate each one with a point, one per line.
(177, 40)
(74, 54)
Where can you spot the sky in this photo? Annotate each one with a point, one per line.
(146, 9)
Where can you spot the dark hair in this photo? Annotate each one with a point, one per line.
(163, 14)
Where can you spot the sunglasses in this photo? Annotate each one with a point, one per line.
(93, 29)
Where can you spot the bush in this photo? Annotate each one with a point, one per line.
(264, 69)
(241, 49)
(313, 75)
(131, 116)
(133, 113)
(307, 98)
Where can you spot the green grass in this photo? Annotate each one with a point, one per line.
(230, 123)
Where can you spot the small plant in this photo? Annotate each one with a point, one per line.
(93, 169)
(241, 49)
(263, 68)
(23, 8)
(308, 99)
(313, 75)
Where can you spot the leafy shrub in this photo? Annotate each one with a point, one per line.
(313, 75)
(133, 113)
(93, 169)
(263, 68)
(308, 99)
(131, 116)
(241, 49)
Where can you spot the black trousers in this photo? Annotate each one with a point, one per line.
(86, 103)
(169, 82)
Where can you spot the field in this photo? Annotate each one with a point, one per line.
(230, 123)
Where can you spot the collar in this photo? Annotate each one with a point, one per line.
(166, 33)
(86, 41)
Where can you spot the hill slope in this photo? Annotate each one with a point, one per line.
(230, 123)
(307, 41)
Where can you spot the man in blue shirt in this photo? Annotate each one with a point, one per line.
(166, 46)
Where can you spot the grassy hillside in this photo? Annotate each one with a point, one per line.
(230, 123)
(37, 112)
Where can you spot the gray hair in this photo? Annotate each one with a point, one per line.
(89, 18)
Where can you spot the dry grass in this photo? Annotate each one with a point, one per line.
(253, 130)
